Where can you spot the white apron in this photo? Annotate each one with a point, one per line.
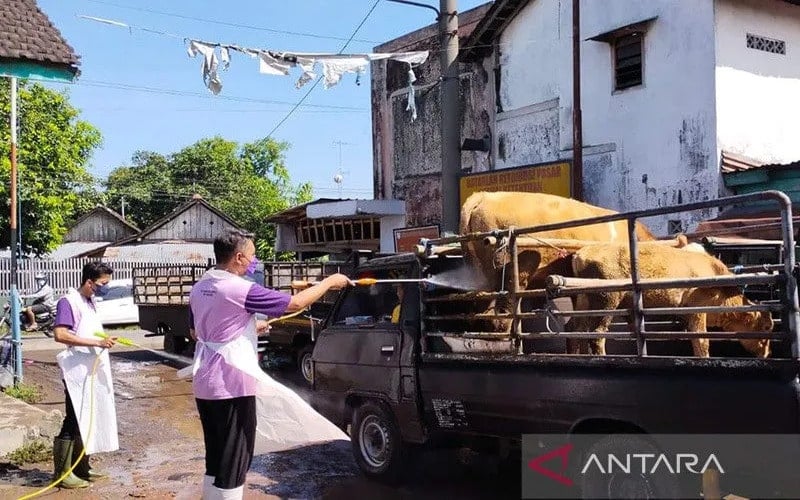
(284, 420)
(76, 365)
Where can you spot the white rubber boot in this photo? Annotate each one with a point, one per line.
(208, 483)
(220, 494)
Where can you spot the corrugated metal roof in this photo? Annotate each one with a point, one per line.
(168, 251)
(75, 249)
(732, 162)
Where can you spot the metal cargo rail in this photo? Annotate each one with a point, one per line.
(783, 275)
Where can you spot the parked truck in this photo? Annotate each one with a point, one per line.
(162, 294)
(424, 381)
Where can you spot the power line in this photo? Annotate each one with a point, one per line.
(302, 99)
(234, 25)
(184, 93)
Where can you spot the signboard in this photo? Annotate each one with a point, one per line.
(406, 238)
(552, 178)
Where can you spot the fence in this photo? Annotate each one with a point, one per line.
(63, 274)
(509, 241)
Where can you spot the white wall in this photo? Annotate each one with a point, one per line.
(646, 146)
(758, 93)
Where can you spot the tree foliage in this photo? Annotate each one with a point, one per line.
(247, 182)
(53, 151)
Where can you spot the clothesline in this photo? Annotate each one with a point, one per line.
(281, 63)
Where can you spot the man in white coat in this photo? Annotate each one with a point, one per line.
(87, 401)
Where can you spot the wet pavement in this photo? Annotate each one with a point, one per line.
(161, 448)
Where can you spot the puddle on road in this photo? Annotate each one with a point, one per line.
(306, 472)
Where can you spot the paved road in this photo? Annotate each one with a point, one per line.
(161, 449)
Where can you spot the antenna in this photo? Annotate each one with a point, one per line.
(339, 177)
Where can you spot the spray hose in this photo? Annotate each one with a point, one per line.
(88, 434)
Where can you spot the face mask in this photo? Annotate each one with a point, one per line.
(101, 290)
(251, 268)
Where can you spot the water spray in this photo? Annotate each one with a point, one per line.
(300, 284)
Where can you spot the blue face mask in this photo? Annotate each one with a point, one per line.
(251, 268)
(101, 290)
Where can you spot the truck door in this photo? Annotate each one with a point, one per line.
(359, 351)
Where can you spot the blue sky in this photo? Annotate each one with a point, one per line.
(174, 108)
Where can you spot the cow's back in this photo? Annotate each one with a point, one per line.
(609, 261)
(485, 211)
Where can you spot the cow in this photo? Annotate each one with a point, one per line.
(612, 261)
(486, 211)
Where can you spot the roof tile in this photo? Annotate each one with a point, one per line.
(26, 33)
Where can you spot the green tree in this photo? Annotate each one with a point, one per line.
(54, 147)
(248, 182)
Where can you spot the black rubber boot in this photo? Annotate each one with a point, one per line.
(62, 461)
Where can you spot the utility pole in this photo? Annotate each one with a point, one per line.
(451, 115)
(447, 16)
(577, 117)
(122, 203)
(16, 339)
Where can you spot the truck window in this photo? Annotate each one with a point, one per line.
(367, 305)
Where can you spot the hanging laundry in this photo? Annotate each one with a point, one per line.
(269, 65)
(307, 65)
(210, 64)
(412, 101)
(333, 68)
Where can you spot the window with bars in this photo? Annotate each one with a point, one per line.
(628, 69)
(766, 44)
(674, 226)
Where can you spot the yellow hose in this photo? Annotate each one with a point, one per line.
(88, 437)
(286, 316)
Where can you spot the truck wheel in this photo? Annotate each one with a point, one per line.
(173, 344)
(595, 484)
(304, 363)
(377, 445)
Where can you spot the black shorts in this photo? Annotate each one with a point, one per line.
(40, 309)
(229, 431)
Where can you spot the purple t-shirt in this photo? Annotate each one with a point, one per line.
(65, 316)
(222, 307)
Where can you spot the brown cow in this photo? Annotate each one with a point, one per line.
(612, 261)
(486, 211)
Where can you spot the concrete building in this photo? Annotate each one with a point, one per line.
(668, 86)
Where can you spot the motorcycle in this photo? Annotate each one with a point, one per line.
(44, 321)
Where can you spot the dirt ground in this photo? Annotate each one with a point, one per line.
(161, 449)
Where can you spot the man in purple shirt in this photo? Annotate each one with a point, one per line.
(223, 306)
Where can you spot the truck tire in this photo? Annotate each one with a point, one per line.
(173, 344)
(377, 444)
(595, 484)
(304, 363)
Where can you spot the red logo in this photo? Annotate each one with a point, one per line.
(535, 464)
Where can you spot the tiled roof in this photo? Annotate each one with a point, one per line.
(27, 34)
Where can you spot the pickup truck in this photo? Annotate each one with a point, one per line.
(414, 383)
(162, 294)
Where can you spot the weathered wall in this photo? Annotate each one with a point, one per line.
(758, 92)
(99, 226)
(406, 154)
(197, 224)
(644, 146)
